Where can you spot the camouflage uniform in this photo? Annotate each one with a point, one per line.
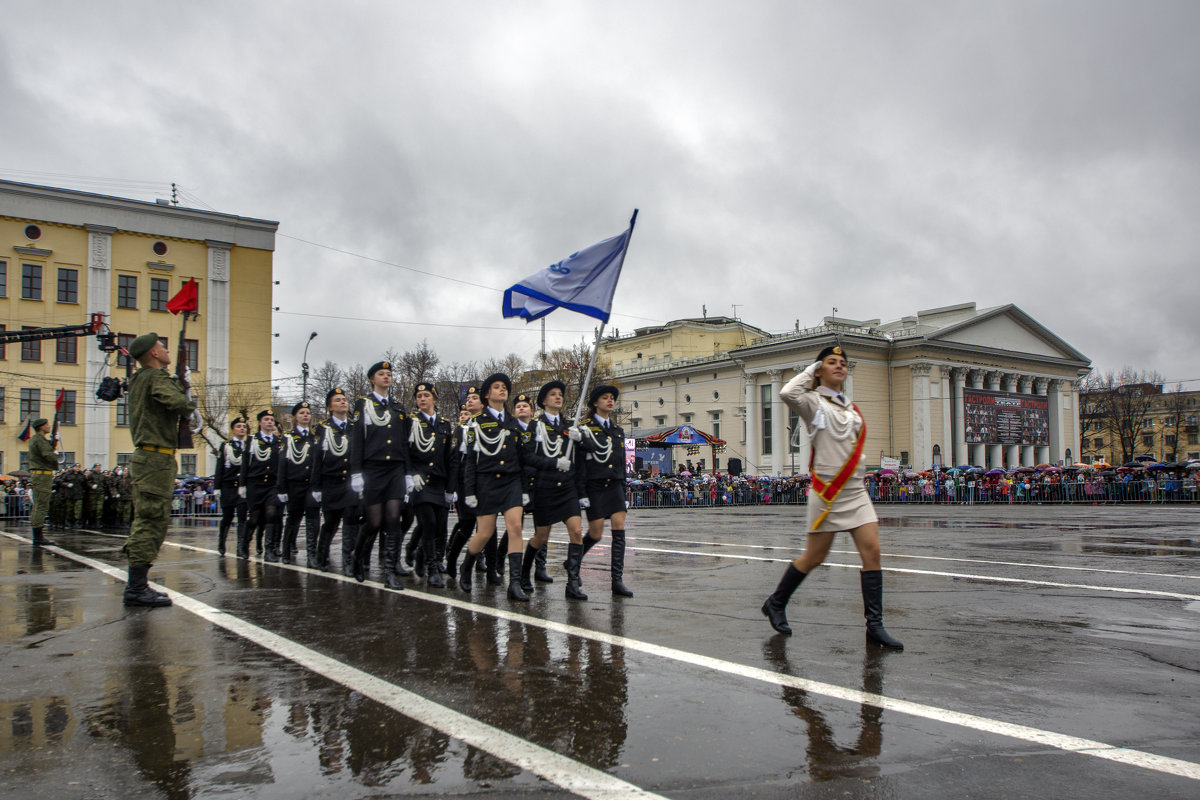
(96, 491)
(125, 498)
(73, 496)
(156, 402)
(42, 462)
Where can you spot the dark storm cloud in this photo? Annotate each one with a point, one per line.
(787, 157)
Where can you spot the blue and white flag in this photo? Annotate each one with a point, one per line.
(585, 282)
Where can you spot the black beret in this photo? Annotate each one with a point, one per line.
(523, 398)
(424, 387)
(832, 350)
(378, 366)
(334, 392)
(545, 390)
(493, 378)
(300, 405)
(266, 412)
(236, 420)
(603, 389)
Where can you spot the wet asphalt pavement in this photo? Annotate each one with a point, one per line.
(1050, 652)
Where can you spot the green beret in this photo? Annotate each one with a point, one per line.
(142, 344)
(39, 422)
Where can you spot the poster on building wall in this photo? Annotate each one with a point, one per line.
(1006, 418)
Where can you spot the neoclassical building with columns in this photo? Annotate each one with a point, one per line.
(66, 254)
(955, 385)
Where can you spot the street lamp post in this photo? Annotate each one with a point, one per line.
(304, 368)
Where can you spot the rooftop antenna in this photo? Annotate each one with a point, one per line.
(736, 306)
(174, 193)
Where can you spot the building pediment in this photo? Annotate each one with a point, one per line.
(1010, 329)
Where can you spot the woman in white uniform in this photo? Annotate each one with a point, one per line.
(837, 499)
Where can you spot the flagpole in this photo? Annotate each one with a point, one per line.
(600, 333)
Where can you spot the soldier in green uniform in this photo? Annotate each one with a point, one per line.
(58, 502)
(42, 463)
(124, 497)
(95, 493)
(73, 495)
(156, 403)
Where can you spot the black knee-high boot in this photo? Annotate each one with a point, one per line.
(243, 540)
(539, 565)
(618, 565)
(773, 608)
(515, 592)
(527, 560)
(466, 570)
(501, 552)
(574, 586)
(458, 540)
(491, 557)
(872, 592)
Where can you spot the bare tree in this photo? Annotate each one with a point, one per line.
(220, 404)
(414, 366)
(1122, 404)
(451, 380)
(1173, 422)
(354, 381)
(328, 376)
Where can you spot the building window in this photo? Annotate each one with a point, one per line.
(904, 457)
(715, 422)
(660, 421)
(31, 351)
(687, 418)
(3, 346)
(1193, 438)
(2, 404)
(123, 341)
(127, 291)
(1097, 443)
(66, 416)
(66, 457)
(31, 282)
(31, 403)
(23, 460)
(191, 349)
(160, 293)
(123, 411)
(1148, 441)
(1169, 441)
(68, 285)
(793, 423)
(66, 350)
(3, 279)
(187, 463)
(765, 394)
(124, 459)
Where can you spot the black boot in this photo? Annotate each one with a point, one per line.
(618, 565)
(466, 570)
(258, 539)
(312, 540)
(391, 562)
(458, 540)
(428, 556)
(38, 539)
(362, 555)
(271, 542)
(289, 543)
(243, 541)
(138, 591)
(872, 592)
(411, 551)
(773, 608)
(398, 566)
(222, 537)
(349, 539)
(515, 592)
(501, 553)
(539, 565)
(574, 586)
(526, 568)
(492, 559)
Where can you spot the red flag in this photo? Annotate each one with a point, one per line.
(188, 298)
(58, 403)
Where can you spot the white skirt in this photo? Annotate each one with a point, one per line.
(851, 508)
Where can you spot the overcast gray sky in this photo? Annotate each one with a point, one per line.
(787, 157)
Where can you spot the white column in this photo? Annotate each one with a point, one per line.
(959, 381)
(977, 457)
(947, 430)
(1028, 451)
(922, 442)
(97, 415)
(752, 432)
(1013, 451)
(779, 432)
(995, 451)
(1045, 452)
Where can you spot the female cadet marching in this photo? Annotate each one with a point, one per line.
(331, 479)
(837, 499)
(294, 484)
(555, 494)
(494, 482)
(602, 474)
(229, 470)
(433, 463)
(379, 466)
(257, 486)
(464, 528)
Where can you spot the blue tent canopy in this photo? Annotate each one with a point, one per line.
(677, 434)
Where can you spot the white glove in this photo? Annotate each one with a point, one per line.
(197, 421)
(451, 497)
(418, 482)
(585, 503)
(812, 368)
(471, 501)
(316, 496)
(187, 375)
(408, 484)
(356, 483)
(524, 499)
(282, 498)
(564, 464)
(573, 433)
(242, 492)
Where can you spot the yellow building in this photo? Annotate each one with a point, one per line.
(1167, 432)
(65, 255)
(930, 386)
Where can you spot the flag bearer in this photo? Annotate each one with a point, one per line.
(602, 468)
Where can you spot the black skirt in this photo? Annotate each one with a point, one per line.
(382, 482)
(497, 495)
(554, 501)
(434, 492)
(263, 494)
(607, 497)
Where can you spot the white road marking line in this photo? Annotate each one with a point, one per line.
(558, 769)
(635, 539)
(1073, 744)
